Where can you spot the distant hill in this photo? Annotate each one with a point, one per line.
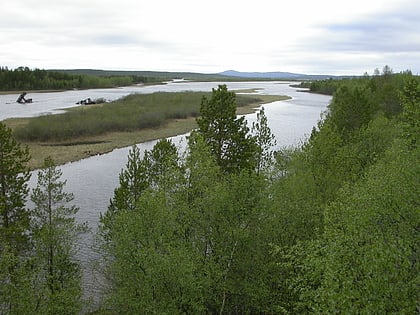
(273, 75)
(266, 75)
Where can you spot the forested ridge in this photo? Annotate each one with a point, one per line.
(230, 227)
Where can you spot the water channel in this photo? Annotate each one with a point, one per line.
(93, 180)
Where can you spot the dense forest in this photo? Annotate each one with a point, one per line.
(230, 227)
(23, 78)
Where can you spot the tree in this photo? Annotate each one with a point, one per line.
(351, 108)
(14, 175)
(140, 174)
(225, 218)
(55, 232)
(162, 163)
(156, 273)
(14, 222)
(354, 250)
(265, 141)
(410, 99)
(194, 243)
(133, 180)
(369, 260)
(227, 136)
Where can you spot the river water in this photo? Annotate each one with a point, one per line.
(93, 180)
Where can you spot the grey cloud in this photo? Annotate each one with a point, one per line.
(386, 33)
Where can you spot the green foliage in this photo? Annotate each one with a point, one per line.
(14, 175)
(23, 78)
(140, 174)
(163, 167)
(226, 135)
(351, 108)
(14, 224)
(195, 237)
(18, 283)
(332, 228)
(327, 87)
(386, 89)
(265, 141)
(370, 262)
(410, 99)
(55, 234)
(133, 181)
(156, 274)
(348, 212)
(383, 89)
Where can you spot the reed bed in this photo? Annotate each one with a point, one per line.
(133, 112)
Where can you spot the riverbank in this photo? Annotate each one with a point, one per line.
(29, 91)
(82, 147)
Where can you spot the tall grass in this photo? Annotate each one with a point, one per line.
(133, 112)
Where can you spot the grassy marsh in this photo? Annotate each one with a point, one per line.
(96, 129)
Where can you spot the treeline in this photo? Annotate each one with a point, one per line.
(230, 227)
(329, 86)
(23, 78)
(150, 76)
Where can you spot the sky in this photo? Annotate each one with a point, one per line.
(334, 37)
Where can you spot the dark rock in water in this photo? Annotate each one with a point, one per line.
(22, 100)
(87, 101)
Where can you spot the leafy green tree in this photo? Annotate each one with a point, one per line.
(14, 175)
(347, 211)
(162, 163)
(156, 273)
(19, 289)
(351, 108)
(55, 234)
(133, 181)
(202, 169)
(319, 156)
(226, 222)
(140, 174)
(14, 223)
(241, 267)
(265, 141)
(195, 244)
(370, 256)
(410, 99)
(153, 270)
(386, 89)
(227, 135)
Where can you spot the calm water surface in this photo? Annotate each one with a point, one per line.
(93, 180)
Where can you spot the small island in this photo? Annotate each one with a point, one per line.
(84, 131)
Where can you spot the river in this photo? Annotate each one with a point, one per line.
(93, 180)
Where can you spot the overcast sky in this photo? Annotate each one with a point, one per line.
(302, 36)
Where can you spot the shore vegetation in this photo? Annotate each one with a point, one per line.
(95, 129)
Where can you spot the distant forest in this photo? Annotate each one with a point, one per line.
(23, 78)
